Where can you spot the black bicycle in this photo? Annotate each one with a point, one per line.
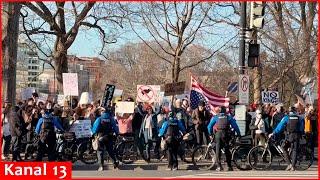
(261, 157)
(204, 157)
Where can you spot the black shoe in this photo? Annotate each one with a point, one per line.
(292, 169)
(116, 165)
(230, 169)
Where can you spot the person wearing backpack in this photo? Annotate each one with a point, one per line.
(105, 127)
(170, 130)
(294, 129)
(221, 124)
(45, 128)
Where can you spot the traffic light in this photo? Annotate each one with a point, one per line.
(253, 58)
(256, 14)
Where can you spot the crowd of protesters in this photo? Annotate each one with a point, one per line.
(149, 123)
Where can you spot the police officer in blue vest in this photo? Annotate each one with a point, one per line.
(45, 128)
(294, 129)
(170, 130)
(105, 128)
(221, 124)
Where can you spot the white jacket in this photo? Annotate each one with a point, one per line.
(261, 127)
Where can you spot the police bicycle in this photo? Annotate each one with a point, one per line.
(204, 157)
(261, 157)
(125, 149)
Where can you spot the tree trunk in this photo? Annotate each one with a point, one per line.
(61, 63)
(10, 33)
(176, 70)
(257, 75)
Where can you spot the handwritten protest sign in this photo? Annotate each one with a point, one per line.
(174, 88)
(43, 97)
(81, 128)
(125, 107)
(70, 84)
(27, 93)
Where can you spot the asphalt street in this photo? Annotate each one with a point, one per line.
(142, 169)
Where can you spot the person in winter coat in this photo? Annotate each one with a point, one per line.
(257, 125)
(149, 130)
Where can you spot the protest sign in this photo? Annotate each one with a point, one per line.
(174, 88)
(27, 93)
(43, 97)
(125, 107)
(240, 112)
(271, 97)
(148, 93)
(81, 128)
(117, 93)
(108, 95)
(70, 84)
(60, 99)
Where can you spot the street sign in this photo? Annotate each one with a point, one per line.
(148, 93)
(244, 89)
(108, 95)
(174, 88)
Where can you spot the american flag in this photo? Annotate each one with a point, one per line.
(198, 93)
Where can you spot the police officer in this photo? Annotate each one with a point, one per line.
(45, 128)
(221, 123)
(294, 129)
(170, 130)
(105, 127)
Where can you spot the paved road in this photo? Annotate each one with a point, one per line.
(141, 169)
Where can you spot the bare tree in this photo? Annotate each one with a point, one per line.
(174, 27)
(61, 22)
(10, 32)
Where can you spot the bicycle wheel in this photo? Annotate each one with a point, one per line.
(304, 158)
(86, 154)
(240, 157)
(125, 153)
(259, 158)
(203, 157)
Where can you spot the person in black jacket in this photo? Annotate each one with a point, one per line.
(136, 125)
(16, 127)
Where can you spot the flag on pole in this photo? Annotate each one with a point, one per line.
(199, 93)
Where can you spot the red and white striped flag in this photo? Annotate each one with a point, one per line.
(198, 93)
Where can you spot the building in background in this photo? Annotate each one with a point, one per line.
(89, 70)
(28, 66)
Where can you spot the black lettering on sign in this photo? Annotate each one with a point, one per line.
(108, 95)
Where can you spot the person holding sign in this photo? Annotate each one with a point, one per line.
(104, 128)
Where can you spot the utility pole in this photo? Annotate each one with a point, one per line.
(242, 45)
(257, 9)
